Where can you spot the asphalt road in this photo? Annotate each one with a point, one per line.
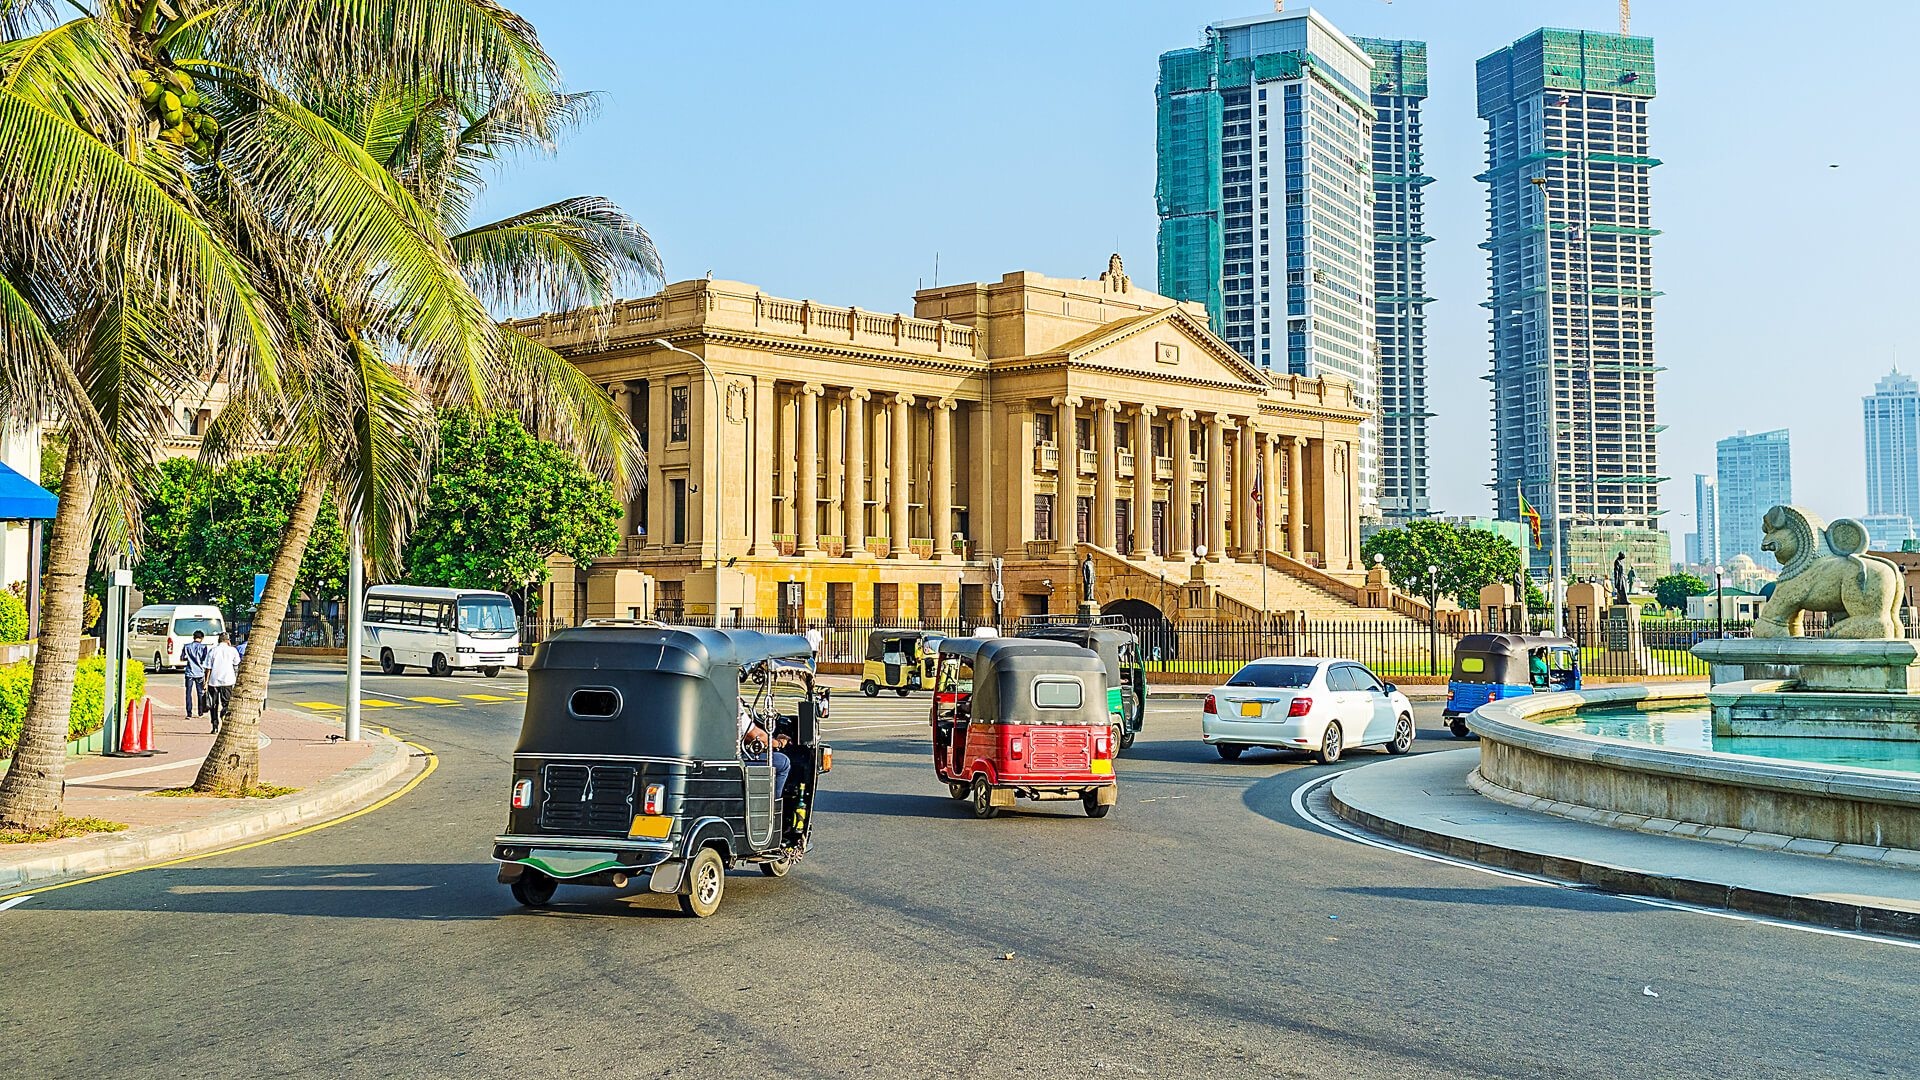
(1201, 929)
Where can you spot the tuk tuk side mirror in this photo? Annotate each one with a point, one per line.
(806, 727)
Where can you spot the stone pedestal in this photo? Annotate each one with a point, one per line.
(1830, 688)
(1501, 611)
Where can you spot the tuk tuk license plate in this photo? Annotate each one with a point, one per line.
(1251, 708)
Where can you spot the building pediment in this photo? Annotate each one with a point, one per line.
(1169, 344)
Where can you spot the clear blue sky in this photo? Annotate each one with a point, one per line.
(829, 150)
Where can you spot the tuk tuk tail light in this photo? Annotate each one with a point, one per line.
(826, 759)
(1101, 749)
(656, 800)
(1209, 706)
(1017, 747)
(1300, 707)
(522, 794)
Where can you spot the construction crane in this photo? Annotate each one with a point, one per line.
(1625, 8)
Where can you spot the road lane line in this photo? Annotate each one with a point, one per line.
(485, 697)
(433, 762)
(434, 700)
(16, 901)
(1300, 808)
(320, 706)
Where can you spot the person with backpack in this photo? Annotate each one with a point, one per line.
(194, 657)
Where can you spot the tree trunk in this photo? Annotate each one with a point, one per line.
(30, 794)
(233, 765)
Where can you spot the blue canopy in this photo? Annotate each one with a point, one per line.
(23, 500)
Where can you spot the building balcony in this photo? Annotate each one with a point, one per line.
(834, 546)
(1124, 463)
(786, 543)
(1089, 463)
(1046, 457)
(1163, 468)
(879, 546)
(921, 546)
(1041, 549)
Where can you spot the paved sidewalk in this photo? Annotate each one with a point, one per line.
(300, 751)
(1425, 800)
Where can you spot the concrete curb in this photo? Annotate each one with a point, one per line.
(1816, 911)
(345, 791)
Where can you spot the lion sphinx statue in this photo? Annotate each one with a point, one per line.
(1824, 568)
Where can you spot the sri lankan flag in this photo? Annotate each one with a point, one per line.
(1529, 515)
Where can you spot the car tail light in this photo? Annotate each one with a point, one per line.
(1209, 707)
(522, 794)
(1300, 706)
(1017, 747)
(656, 800)
(169, 645)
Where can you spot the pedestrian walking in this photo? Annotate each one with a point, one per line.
(223, 667)
(193, 659)
(814, 638)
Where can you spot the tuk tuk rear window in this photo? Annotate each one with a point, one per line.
(594, 703)
(1472, 665)
(1282, 676)
(1056, 693)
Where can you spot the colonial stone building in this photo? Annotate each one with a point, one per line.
(819, 462)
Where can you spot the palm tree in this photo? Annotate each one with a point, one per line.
(432, 149)
(154, 179)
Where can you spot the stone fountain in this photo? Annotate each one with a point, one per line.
(1861, 682)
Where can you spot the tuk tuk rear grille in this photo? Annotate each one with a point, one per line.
(596, 798)
(1061, 751)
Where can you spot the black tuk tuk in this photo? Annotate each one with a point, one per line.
(631, 761)
(899, 660)
(1119, 650)
(1489, 667)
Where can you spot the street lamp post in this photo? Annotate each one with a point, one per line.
(1433, 619)
(713, 428)
(356, 624)
(1719, 601)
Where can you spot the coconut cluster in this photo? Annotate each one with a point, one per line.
(170, 98)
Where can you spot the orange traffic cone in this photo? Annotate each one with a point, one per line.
(133, 741)
(146, 726)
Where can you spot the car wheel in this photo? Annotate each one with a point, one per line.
(706, 884)
(1230, 751)
(958, 790)
(1330, 744)
(903, 691)
(387, 666)
(490, 672)
(983, 807)
(440, 665)
(1095, 808)
(534, 889)
(868, 688)
(1458, 725)
(1402, 735)
(157, 665)
(778, 867)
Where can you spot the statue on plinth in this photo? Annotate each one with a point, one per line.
(1086, 580)
(1825, 568)
(1621, 581)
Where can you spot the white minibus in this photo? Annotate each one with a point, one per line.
(439, 629)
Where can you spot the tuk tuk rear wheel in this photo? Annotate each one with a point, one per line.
(958, 790)
(705, 886)
(534, 889)
(869, 688)
(983, 807)
(1458, 725)
(1095, 808)
(778, 867)
(902, 691)
(1126, 739)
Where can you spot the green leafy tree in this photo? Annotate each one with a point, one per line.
(1673, 589)
(501, 501)
(1469, 559)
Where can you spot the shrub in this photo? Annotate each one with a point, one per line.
(89, 695)
(13, 617)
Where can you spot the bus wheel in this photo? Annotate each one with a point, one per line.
(440, 665)
(869, 688)
(490, 672)
(387, 666)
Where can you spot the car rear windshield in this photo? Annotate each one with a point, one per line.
(488, 615)
(1283, 676)
(186, 627)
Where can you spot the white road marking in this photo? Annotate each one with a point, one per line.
(15, 902)
(1300, 808)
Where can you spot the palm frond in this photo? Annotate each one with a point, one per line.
(559, 402)
(79, 68)
(573, 253)
(382, 480)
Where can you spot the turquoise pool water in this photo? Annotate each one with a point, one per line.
(1692, 729)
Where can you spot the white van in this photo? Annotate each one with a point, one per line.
(439, 629)
(157, 632)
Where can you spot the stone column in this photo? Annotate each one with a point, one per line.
(855, 500)
(1103, 489)
(659, 529)
(1244, 470)
(1216, 487)
(1180, 498)
(1143, 481)
(789, 461)
(765, 416)
(1269, 491)
(1296, 498)
(807, 502)
(836, 462)
(899, 474)
(1066, 433)
(940, 500)
(623, 401)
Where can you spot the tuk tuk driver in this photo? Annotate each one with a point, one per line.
(1537, 670)
(752, 735)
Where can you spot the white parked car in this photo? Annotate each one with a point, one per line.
(157, 632)
(1312, 704)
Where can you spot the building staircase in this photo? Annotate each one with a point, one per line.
(1233, 590)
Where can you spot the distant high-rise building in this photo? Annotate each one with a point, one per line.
(1887, 532)
(1706, 517)
(1400, 273)
(1570, 247)
(1892, 416)
(1265, 152)
(1755, 473)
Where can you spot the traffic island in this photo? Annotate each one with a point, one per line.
(1435, 801)
(318, 776)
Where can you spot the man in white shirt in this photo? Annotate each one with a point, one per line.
(223, 666)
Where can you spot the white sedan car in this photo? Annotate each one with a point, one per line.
(1310, 704)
